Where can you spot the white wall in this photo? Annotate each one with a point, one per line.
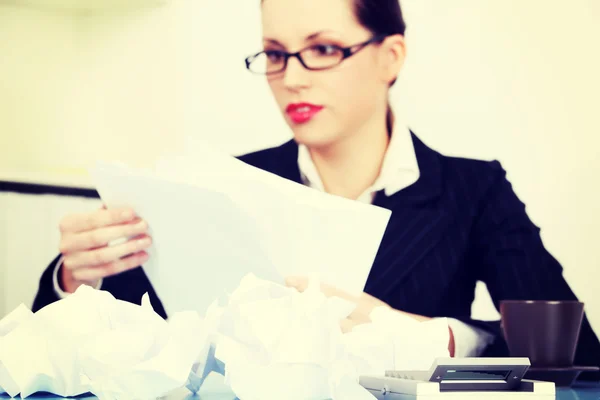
(36, 47)
(127, 84)
(506, 79)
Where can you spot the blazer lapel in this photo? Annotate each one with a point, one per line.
(281, 160)
(285, 162)
(417, 224)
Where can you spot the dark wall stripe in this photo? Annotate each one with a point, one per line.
(34, 188)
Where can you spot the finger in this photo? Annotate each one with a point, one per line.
(106, 255)
(348, 324)
(331, 291)
(361, 314)
(83, 222)
(365, 304)
(113, 268)
(300, 283)
(101, 237)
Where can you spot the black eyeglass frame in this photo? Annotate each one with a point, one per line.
(347, 52)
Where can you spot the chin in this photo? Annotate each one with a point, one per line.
(312, 137)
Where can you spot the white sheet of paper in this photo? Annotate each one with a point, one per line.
(214, 219)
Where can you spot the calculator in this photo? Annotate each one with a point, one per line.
(476, 377)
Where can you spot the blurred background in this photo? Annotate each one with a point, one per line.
(87, 80)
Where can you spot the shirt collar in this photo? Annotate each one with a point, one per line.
(399, 170)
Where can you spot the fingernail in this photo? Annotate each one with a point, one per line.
(128, 214)
(291, 281)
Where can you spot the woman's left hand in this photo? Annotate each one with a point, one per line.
(365, 303)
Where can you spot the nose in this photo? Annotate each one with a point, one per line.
(296, 76)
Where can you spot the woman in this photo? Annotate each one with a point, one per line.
(454, 221)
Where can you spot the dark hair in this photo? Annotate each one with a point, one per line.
(381, 17)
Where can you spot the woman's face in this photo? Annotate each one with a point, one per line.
(323, 107)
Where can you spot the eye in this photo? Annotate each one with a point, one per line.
(324, 50)
(275, 56)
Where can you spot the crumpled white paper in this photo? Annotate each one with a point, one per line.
(395, 341)
(8, 324)
(272, 342)
(268, 340)
(91, 342)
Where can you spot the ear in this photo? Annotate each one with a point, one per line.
(393, 53)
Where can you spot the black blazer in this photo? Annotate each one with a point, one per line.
(459, 223)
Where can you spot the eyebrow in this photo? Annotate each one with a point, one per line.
(309, 37)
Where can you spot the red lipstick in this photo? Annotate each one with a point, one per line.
(301, 113)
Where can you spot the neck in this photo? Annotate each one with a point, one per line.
(350, 166)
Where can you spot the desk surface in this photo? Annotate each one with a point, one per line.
(214, 389)
(580, 391)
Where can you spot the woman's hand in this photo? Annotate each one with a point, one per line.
(365, 303)
(87, 255)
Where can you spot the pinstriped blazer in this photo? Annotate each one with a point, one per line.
(460, 223)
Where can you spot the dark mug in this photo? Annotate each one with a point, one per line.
(545, 331)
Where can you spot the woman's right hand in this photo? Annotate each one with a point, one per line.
(87, 255)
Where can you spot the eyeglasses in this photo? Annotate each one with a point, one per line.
(314, 58)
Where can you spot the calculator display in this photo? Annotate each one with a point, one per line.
(474, 375)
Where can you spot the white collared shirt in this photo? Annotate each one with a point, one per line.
(399, 170)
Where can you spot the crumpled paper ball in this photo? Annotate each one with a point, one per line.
(275, 343)
(7, 325)
(91, 342)
(272, 342)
